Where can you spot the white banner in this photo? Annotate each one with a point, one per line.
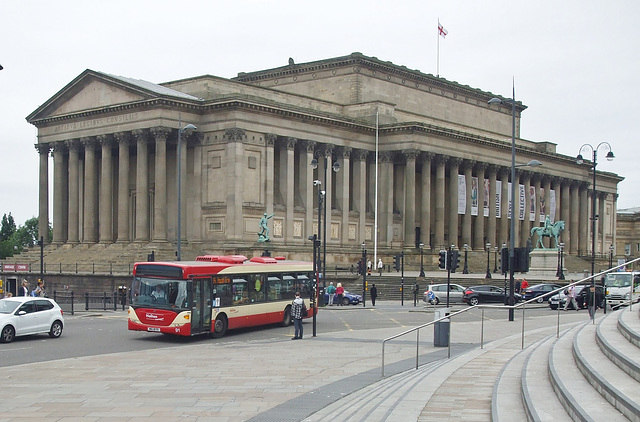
(498, 199)
(510, 195)
(543, 209)
(532, 203)
(521, 202)
(552, 205)
(462, 194)
(485, 205)
(474, 196)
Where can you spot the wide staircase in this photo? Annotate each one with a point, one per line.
(584, 372)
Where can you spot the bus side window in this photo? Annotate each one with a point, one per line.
(274, 286)
(289, 287)
(240, 291)
(256, 289)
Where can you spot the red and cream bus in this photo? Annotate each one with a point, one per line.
(214, 294)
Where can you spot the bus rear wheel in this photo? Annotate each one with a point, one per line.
(220, 326)
(286, 318)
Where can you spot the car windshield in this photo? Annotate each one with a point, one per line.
(618, 280)
(7, 306)
(158, 292)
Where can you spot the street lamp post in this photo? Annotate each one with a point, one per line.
(421, 260)
(512, 226)
(314, 298)
(364, 275)
(488, 245)
(495, 259)
(179, 228)
(561, 270)
(465, 270)
(610, 256)
(323, 263)
(594, 216)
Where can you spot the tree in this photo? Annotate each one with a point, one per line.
(8, 227)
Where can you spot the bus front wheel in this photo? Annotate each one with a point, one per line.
(286, 319)
(220, 326)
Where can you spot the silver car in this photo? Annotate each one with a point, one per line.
(22, 316)
(437, 293)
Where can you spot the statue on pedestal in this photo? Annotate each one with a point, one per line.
(548, 230)
(263, 233)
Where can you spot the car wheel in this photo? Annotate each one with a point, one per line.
(346, 301)
(8, 334)
(56, 329)
(220, 326)
(435, 301)
(540, 299)
(554, 307)
(473, 301)
(286, 318)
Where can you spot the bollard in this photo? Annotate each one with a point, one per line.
(86, 301)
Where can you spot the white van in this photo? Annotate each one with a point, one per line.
(619, 289)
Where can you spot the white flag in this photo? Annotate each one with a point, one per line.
(441, 31)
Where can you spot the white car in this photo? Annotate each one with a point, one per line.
(23, 316)
(439, 293)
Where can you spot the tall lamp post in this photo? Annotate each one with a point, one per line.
(488, 274)
(512, 226)
(180, 130)
(610, 256)
(314, 298)
(421, 260)
(560, 269)
(579, 159)
(323, 239)
(465, 270)
(495, 259)
(364, 274)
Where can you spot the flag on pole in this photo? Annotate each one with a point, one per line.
(441, 31)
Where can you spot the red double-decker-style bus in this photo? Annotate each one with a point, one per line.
(214, 294)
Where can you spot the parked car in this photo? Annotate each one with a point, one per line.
(485, 294)
(581, 298)
(347, 298)
(22, 316)
(540, 292)
(439, 293)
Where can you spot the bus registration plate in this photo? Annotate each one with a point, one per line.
(154, 329)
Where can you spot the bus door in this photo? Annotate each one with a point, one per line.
(201, 305)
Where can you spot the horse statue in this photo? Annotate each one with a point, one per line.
(549, 230)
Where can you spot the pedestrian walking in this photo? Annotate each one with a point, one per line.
(380, 266)
(339, 293)
(298, 311)
(374, 294)
(524, 285)
(594, 298)
(369, 266)
(331, 291)
(571, 298)
(24, 290)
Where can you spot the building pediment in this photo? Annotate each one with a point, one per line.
(93, 90)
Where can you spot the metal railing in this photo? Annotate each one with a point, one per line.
(483, 307)
(70, 302)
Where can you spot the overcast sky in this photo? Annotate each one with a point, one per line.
(574, 62)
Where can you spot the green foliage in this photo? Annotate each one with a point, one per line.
(14, 239)
(8, 227)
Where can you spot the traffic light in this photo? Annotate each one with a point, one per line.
(455, 260)
(442, 260)
(396, 262)
(504, 260)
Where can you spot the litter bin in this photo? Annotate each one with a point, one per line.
(321, 298)
(441, 329)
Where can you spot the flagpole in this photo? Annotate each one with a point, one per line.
(438, 60)
(375, 213)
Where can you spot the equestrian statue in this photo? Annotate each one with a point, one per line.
(548, 230)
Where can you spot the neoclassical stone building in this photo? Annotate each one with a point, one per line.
(438, 153)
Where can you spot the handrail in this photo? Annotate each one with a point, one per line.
(483, 307)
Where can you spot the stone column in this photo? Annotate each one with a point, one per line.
(385, 211)
(106, 190)
(410, 198)
(478, 232)
(467, 170)
(90, 230)
(59, 193)
(575, 212)
(142, 186)
(516, 210)
(195, 202)
(504, 206)
(492, 233)
(43, 192)
(360, 191)
(440, 201)
(536, 180)
(330, 190)
(270, 143)
(235, 165)
(160, 181)
(425, 205)
(308, 190)
(123, 139)
(344, 193)
(525, 227)
(74, 193)
(601, 239)
(584, 234)
(288, 186)
(454, 165)
(565, 210)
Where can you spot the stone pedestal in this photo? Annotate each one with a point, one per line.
(544, 262)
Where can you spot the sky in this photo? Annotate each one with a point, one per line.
(573, 63)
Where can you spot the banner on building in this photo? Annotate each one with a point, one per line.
(509, 197)
(521, 202)
(462, 194)
(487, 192)
(474, 196)
(532, 203)
(543, 210)
(498, 198)
(552, 205)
